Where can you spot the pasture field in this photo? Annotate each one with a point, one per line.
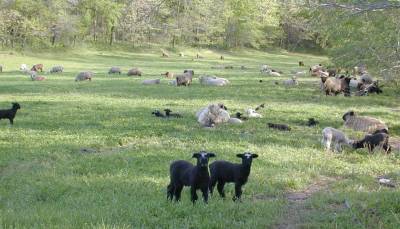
(91, 155)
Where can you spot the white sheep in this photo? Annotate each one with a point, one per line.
(264, 68)
(251, 113)
(213, 81)
(23, 67)
(300, 74)
(213, 115)
(235, 121)
(291, 82)
(334, 136)
(151, 81)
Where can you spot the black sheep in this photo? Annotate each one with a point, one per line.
(379, 138)
(10, 113)
(227, 172)
(312, 122)
(157, 113)
(169, 114)
(184, 173)
(239, 116)
(283, 127)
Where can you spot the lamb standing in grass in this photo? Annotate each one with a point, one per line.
(10, 113)
(373, 140)
(362, 123)
(84, 76)
(114, 70)
(226, 172)
(184, 173)
(57, 69)
(334, 136)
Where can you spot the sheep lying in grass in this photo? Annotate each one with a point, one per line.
(213, 81)
(184, 79)
(157, 113)
(213, 115)
(57, 69)
(282, 127)
(184, 173)
(235, 121)
(114, 70)
(37, 67)
(223, 172)
(291, 82)
(134, 72)
(312, 122)
(10, 113)
(362, 123)
(366, 79)
(300, 74)
(35, 77)
(220, 105)
(371, 141)
(336, 137)
(251, 113)
(151, 81)
(82, 76)
(272, 73)
(366, 89)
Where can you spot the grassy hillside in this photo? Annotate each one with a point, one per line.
(47, 179)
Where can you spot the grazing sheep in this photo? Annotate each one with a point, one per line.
(134, 72)
(23, 67)
(251, 113)
(164, 54)
(157, 113)
(184, 173)
(338, 138)
(184, 79)
(335, 86)
(283, 127)
(10, 113)
(168, 75)
(151, 81)
(226, 172)
(301, 63)
(213, 115)
(169, 113)
(373, 140)
(84, 76)
(312, 122)
(366, 89)
(57, 69)
(291, 82)
(366, 79)
(37, 67)
(362, 123)
(114, 70)
(213, 81)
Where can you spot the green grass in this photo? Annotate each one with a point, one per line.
(46, 181)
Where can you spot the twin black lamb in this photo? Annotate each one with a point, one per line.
(10, 113)
(184, 173)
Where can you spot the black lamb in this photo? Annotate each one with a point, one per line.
(312, 122)
(283, 127)
(379, 138)
(240, 116)
(169, 113)
(184, 173)
(227, 172)
(10, 113)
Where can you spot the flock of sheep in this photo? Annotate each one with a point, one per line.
(203, 176)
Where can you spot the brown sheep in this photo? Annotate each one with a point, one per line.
(168, 75)
(335, 86)
(37, 67)
(134, 72)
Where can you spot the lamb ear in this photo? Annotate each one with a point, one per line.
(196, 155)
(254, 155)
(239, 155)
(211, 155)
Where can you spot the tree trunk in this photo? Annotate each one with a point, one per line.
(112, 35)
(94, 25)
